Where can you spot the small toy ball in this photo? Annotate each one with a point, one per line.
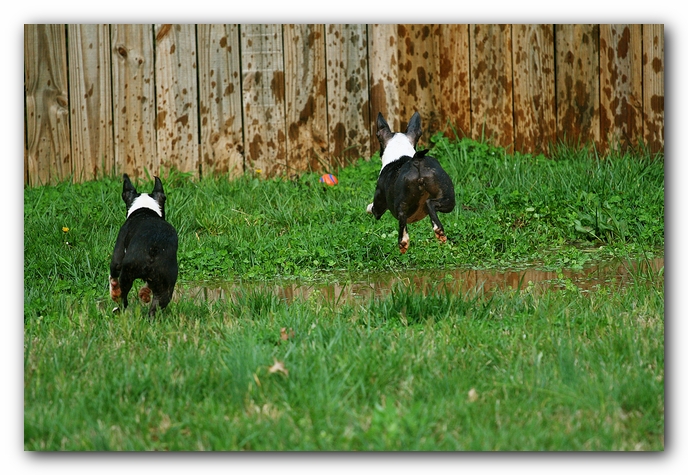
(329, 179)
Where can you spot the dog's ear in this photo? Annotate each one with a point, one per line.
(157, 188)
(129, 193)
(383, 132)
(158, 194)
(414, 130)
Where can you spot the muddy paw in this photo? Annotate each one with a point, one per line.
(439, 233)
(145, 294)
(115, 291)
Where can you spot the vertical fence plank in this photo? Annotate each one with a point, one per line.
(535, 125)
(47, 108)
(306, 97)
(90, 101)
(492, 83)
(176, 97)
(418, 76)
(383, 64)
(578, 97)
(262, 71)
(455, 84)
(653, 86)
(219, 69)
(348, 103)
(621, 119)
(133, 87)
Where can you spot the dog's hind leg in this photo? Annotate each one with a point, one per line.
(432, 207)
(403, 235)
(161, 300)
(125, 284)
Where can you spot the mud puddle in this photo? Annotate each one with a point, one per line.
(349, 288)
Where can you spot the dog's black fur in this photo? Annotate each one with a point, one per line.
(411, 187)
(146, 249)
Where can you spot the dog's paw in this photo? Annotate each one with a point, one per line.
(145, 294)
(369, 209)
(439, 234)
(115, 291)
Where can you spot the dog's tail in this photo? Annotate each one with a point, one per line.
(420, 155)
(417, 158)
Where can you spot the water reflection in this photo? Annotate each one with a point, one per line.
(347, 288)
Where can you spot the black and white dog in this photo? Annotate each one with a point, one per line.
(411, 185)
(146, 249)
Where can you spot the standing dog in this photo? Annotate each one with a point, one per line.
(146, 249)
(412, 185)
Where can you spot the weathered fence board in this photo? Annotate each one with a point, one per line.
(90, 101)
(578, 98)
(222, 141)
(47, 108)
(492, 83)
(535, 124)
(621, 105)
(348, 101)
(133, 90)
(262, 68)
(455, 84)
(176, 94)
(306, 98)
(282, 99)
(418, 76)
(383, 64)
(653, 86)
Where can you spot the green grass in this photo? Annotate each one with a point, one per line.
(505, 370)
(557, 371)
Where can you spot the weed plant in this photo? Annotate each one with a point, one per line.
(505, 370)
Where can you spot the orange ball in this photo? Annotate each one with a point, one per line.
(329, 179)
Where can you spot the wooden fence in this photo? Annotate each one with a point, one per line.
(281, 99)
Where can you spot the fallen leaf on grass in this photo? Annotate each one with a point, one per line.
(284, 335)
(278, 367)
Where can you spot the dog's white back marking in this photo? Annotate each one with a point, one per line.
(145, 201)
(397, 147)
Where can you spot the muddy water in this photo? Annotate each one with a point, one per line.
(615, 274)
